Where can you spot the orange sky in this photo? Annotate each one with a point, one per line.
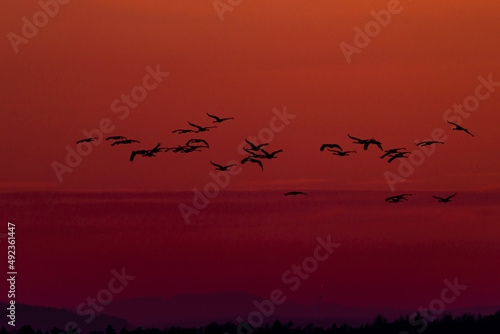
(264, 55)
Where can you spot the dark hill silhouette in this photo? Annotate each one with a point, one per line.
(46, 318)
(189, 310)
(465, 324)
(201, 309)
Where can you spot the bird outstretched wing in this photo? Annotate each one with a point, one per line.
(196, 126)
(214, 117)
(354, 138)
(216, 165)
(330, 146)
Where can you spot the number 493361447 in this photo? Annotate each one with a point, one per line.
(11, 255)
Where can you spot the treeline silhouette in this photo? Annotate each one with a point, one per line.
(467, 323)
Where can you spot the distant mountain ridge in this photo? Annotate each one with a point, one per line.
(201, 309)
(46, 318)
(196, 310)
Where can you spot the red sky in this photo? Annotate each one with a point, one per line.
(264, 55)
(389, 255)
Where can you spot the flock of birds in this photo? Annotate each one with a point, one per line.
(394, 153)
(402, 197)
(392, 199)
(257, 153)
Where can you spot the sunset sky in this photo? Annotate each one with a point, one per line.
(264, 55)
(263, 58)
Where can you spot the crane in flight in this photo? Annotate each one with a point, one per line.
(134, 153)
(116, 138)
(254, 154)
(459, 128)
(181, 131)
(197, 141)
(342, 153)
(366, 142)
(201, 128)
(397, 199)
(254, 147)
(392, 151)
(251, 159)
(294, 193)
(126, 141)
(219, 119)
(146, 153)
(186, 149)
(444, 200)
(398, 156)
(329, 146)
(270, 155)
(428, 142)
(222, 168)
(86, 140)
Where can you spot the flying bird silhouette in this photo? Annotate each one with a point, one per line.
(201, 128)
(366, 142)
(342, 153)
(392, 151)
(254, 154)
(134, 153)
(116, 138)
(218, 119)
(329, 146)
(177, 149)
(459, 128)
(398, 156)
(189, 149)
(185, 149)
(126, 141)
(146, 153)
(397, 199)
(444, 200)
(181, 131)
(156, 149)
(294, 193)
(197, 141)
(254, 147)
(357, 140)
(251, 159)
(375, 142)
(86, 140)
(222, 168)
(428, 142)
(270, 155)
